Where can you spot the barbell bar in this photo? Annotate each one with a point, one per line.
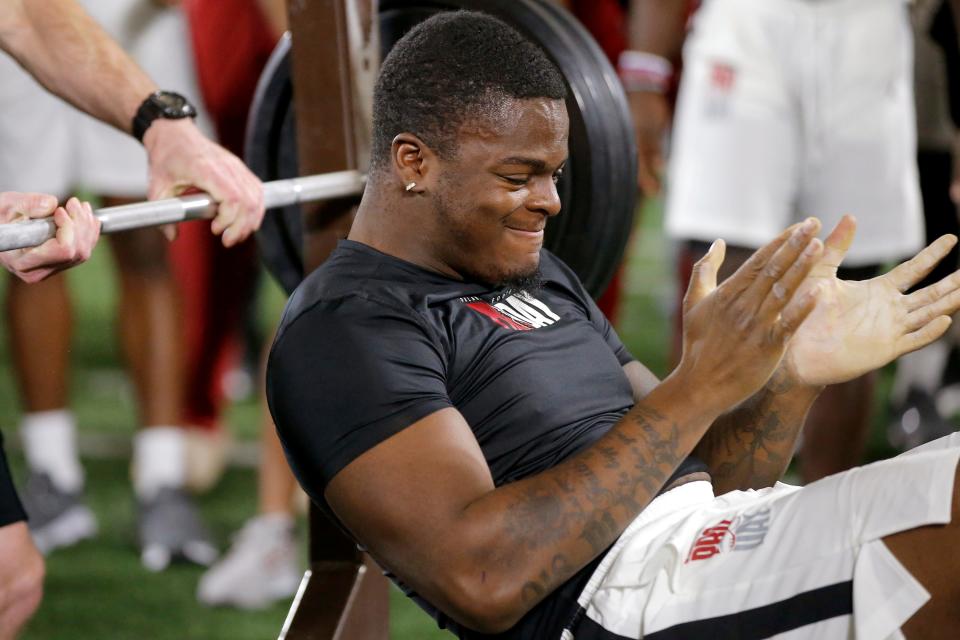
(277, 193)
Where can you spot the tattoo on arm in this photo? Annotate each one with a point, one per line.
(535, 590)
(589, 499)
(751, 446)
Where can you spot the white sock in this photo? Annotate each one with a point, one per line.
(159, 460)
(50, 446)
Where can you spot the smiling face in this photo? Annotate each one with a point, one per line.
(493, 198)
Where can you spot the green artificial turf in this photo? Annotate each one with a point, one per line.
(99, 590)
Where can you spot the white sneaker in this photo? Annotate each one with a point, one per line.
(261, 567)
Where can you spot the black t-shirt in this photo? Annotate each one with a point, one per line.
(10, 508)
(369, 344)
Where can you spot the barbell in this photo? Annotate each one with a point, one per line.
(277, 193)
(597, 190)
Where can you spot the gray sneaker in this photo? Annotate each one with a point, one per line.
(170, 527)
(56, 518)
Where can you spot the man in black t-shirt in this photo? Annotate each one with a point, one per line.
(446, 391)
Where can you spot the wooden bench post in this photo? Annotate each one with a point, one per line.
(334, 62)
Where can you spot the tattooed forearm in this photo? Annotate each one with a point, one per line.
(751, 446)
(588, 500)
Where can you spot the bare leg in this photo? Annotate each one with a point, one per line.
(276, 485)
(40, 321)
(263, 564)
(150, 332)
(149, 329)
(929, 553)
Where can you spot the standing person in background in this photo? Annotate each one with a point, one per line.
(263, 564)
(57, 43)
(95, 157)
(793, 108)
(21, 565)
(217, 283)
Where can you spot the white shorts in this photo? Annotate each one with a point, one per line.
(795, 108)
(50, 147)
(784, 562)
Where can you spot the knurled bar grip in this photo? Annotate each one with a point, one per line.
(279, 193)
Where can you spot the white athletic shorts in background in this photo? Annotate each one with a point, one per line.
(784, 562)
(47, 146)
(795, 108)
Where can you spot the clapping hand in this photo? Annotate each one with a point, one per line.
(735, 334)
(860, 326)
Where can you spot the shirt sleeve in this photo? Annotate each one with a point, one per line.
(343, 377)
(10, 508)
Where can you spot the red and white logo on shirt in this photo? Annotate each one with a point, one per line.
(519, 311)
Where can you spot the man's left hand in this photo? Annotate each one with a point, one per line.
(182, 158)
(77, 233)
(857, 327)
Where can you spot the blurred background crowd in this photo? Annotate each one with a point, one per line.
(136, 391)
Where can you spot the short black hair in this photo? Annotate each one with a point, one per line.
(451, 67)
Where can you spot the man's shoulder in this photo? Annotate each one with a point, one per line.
(356, 283)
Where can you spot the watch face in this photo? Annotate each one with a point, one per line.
(173, 104)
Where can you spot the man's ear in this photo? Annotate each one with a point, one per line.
(413, 162)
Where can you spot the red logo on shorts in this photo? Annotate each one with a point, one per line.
(722, 76)
(712, 541)
(745, 532)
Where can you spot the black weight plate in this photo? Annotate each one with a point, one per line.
(598, 189)
(271, 153)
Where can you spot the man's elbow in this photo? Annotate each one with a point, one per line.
(484, 604)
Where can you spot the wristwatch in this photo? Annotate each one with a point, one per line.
(161, 104)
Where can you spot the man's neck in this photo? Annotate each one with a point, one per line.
(397, 228)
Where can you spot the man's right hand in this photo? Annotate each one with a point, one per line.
(735, 335)
(181, 158)
(77, 233)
